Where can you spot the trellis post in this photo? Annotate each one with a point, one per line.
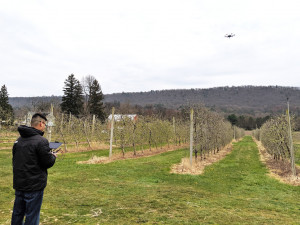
(191, 136)
(291, 140)
(111, 131)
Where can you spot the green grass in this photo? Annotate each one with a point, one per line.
(235, 190)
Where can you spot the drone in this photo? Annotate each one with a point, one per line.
(230, 35)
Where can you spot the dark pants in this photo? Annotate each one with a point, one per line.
(27, 204)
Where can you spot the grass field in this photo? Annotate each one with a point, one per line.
(235, 190)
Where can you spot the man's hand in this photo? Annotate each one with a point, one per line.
(55, 152)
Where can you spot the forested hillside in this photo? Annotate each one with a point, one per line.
(252, 100)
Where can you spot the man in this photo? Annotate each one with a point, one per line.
(31, 159)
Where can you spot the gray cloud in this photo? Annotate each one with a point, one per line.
(141, 46)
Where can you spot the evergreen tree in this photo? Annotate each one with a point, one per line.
(232, 119)
(96, 97)
(6, 110)
(4, 97)
(72, 100)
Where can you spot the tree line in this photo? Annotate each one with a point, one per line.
(277, 138)
(274, 137)
(211, 132)
(242, 100)
(247, 122)
(83, 98)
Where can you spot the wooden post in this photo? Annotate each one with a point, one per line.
(85, 127)
(191, 136)
(93, 125)
(111, 131)
(174, 128)
(50, 122)
(70, 118)
(291, 140)
(62, 121)
(62, 132)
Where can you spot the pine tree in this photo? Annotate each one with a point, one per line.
(96, 97)
(3, 97)
(72, 100)
(6, 110)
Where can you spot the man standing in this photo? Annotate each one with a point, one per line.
(31, 158)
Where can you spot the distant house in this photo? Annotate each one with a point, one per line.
(118, 117)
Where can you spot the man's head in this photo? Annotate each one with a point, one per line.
(38, 121)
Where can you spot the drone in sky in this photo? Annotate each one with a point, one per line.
(230, 35)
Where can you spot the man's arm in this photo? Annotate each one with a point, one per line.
(46, 157)
(13, 152)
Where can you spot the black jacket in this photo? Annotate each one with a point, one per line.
(31, 159)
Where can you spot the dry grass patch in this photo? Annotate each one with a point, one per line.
(198, 166)
(96, 160)
(279, 169)
(84, 148)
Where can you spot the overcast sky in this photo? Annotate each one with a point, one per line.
(138, 45)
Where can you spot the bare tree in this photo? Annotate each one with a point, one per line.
(86, 84)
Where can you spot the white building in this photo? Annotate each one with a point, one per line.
(118, 117)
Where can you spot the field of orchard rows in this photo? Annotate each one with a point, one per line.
(234, 191)
(208, 131)
(131, 133)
